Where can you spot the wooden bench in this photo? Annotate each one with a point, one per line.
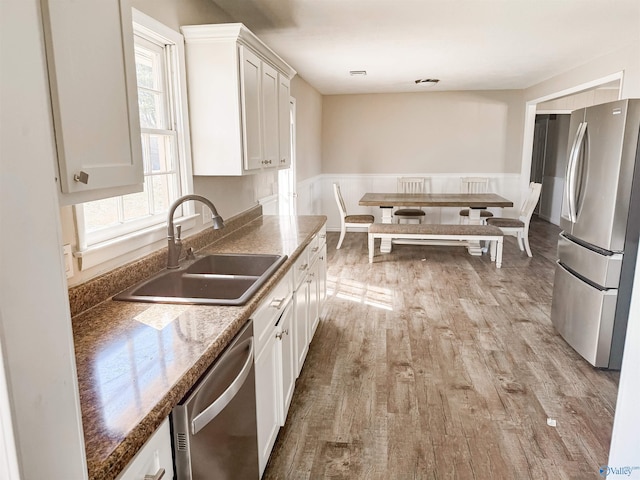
(453, 234)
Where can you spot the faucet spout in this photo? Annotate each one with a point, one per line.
(173, 239)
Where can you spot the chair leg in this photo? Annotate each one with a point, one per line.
(371, 247)
(525, 236)
(342, 232)
(520, 243)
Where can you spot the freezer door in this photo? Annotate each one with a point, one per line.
(584, 316)
(600, 190)
(601, 269)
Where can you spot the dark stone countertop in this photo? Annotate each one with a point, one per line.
(136, 361)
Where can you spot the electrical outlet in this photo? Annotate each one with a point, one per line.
(68, 260)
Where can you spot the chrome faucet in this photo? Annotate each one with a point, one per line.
(173, 237)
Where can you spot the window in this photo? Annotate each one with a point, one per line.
(109, 227)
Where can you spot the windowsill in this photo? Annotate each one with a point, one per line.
(111, 249)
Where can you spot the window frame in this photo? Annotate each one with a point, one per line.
(124, 240)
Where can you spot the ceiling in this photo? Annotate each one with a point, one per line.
(467, 44)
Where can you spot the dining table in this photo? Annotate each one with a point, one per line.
(475, 202)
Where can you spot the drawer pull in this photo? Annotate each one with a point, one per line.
(304, 266)
(280, 334)
(315, 249)
(277, 303)
(159, 474)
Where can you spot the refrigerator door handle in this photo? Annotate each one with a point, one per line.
(572, 169)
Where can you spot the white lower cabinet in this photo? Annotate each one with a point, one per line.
(301, 331)
(267, 399)
(153, 458)
(287, 361)
(283, 326)
(274, 312)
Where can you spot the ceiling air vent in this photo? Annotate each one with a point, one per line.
(427, 81)
(358, 73)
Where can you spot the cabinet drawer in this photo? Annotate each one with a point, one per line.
(322, 236)
(267, 314)
(300, 268)
(154, 456)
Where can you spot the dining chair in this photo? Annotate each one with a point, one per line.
(347, 221)
(474, 185)
(519, 227)
(410, 185)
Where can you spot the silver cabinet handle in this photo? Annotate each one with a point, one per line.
(159, 474)
(304, 266)
(277, 303)
(315, 249)
(280, 334)
(82, 177)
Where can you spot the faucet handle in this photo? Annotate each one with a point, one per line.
(178, 232)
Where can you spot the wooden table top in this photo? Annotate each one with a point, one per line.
(473, 200)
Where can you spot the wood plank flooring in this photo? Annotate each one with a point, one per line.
(432, 364)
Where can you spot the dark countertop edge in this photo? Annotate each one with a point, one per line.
(110, 467)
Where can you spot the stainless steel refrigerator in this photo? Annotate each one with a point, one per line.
(601, 222)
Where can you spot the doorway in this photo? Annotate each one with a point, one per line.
(548, 162)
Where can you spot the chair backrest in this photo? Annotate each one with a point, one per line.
(474, 184)
(339, 200)
(529, 204)
(411, 184)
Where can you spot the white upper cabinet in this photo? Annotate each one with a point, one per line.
(235, 101)
(92, 77)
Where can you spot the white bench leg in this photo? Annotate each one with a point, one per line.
(499, 253)
(492, 249)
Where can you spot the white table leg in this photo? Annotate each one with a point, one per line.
(474, 247)
(387, 217)
(371, 243)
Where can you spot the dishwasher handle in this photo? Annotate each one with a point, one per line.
(208, 414)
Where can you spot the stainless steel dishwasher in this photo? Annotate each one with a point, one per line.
(214, 427)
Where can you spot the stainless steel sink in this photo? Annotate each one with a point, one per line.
(234, 264)
(219, 279)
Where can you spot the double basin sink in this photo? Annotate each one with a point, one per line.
(217, 279)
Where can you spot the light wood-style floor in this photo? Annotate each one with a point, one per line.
(432, 364)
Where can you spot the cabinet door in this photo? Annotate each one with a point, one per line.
(267, 399)
(313, 299)
(252, 114)
(287, 360)
(301, 330)
(270, 115)
(284, 121)
(94, 97)
(154, 456)
(322, 277)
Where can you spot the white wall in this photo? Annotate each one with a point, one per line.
(308, 129)
(432, 132)
(35, 323)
